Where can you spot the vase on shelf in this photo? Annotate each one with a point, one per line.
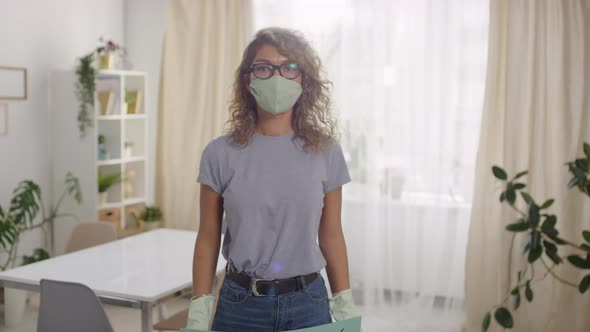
(105, 62)
(102, 198)
(102, 152)
(128, 149)
(128, 183)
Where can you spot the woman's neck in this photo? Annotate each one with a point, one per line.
(274, 125)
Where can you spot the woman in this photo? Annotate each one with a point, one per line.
(278, 175)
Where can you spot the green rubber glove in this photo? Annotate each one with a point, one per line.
(342, 306)
(199, 312)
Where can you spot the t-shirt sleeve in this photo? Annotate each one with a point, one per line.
(337, 174)
(210, 168)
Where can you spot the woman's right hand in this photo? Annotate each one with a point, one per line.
(199, 312)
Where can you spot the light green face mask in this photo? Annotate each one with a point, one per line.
(276, 94)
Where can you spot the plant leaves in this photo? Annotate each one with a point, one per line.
(519, 226)
(527, 198)
(581, 164)
(578, 172)
(556, 239)
(25, 203)
(550, 246)
(586, 235)
(534, 215)
(104, 182)
(39, 254)
(536, 248)
(499, 173)
(573, 182)
(521, 174)
(516, 301)
(553, 256)
(528, 293)
(485, 325)
(527, 246)
(584, 284)
(587, 150)
(548, 226)
(73, 187)
(504, 318)
(511, 196)
(519, 186)
(579, 262)
(550, 221)
(547, 203)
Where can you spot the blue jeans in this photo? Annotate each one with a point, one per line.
(240, 310)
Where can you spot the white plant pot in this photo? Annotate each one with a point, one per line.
(14, 308)
(128, 152)
(148, 226)
(102, 198)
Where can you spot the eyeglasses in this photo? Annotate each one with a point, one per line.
(265, 71)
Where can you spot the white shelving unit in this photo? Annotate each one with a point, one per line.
(69, 152)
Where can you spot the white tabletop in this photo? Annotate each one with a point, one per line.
(144, 267)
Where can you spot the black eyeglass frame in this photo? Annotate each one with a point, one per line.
(274, 67)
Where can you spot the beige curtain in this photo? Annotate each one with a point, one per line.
(536, 117)
(203, 45)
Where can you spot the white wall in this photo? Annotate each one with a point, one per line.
(144, 35)
(44, 36)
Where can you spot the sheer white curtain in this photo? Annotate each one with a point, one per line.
(535, 117)
(408, 89)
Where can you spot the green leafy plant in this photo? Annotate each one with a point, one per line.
(39, 254)
(151, 214)
(130, 97)
(101, 139)
(85, 88)
(25, 205)
(85, 84)
(105, 182)
(542, 239)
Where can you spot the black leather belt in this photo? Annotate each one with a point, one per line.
(266, 287)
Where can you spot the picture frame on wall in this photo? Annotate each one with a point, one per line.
(13, 83)
(3, 119)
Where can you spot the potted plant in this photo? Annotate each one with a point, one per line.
(20, 217)
(150, 217)
(104, 183)
(128, 149)
(131, 101)
(536, 225)
(85, 87)
(106, 51)
(102, 150)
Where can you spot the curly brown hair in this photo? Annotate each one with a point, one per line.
(311, 118)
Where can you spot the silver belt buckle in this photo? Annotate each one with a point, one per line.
(253, 285)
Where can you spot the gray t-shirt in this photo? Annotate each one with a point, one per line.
(273, 195)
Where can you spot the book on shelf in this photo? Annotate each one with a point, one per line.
(138, 103)
(134, 101)
(106, 100)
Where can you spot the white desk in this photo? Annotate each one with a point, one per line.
(136, 272)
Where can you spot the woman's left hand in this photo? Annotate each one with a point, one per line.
(342, 306)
